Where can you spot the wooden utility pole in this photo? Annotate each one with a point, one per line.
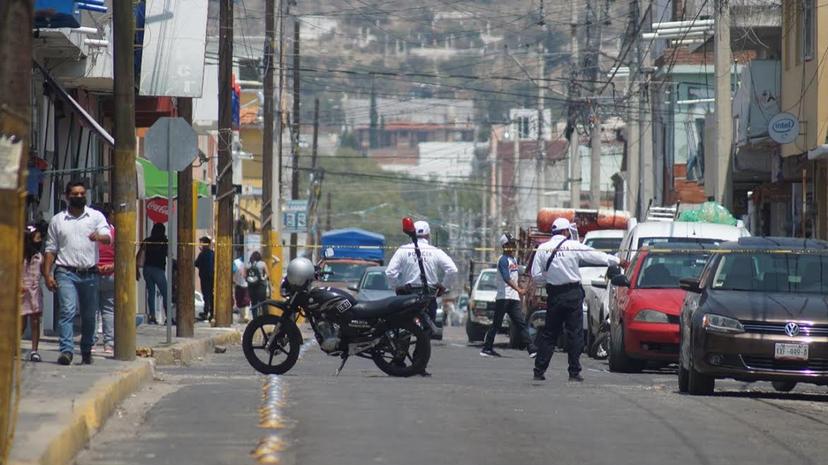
(574, 139)
(225, 191)
(315, 186)
(723, 56)
(294, 185)
(124, 188)
(16, 19)
(270, 202)
(185, 308)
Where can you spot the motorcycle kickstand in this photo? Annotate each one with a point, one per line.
(344, 359)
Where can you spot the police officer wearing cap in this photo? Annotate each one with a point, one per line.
(403, 271)
(556, 266)
(507, 299)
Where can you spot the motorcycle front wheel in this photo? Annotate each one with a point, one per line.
(404, 350)
(271, 344)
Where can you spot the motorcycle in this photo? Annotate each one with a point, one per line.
(394, 332)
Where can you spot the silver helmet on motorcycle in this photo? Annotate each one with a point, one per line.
(299, 271)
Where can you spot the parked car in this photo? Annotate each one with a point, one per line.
(482, 306)
(669, 232)
(644, 310)
(757, 312)
(606, 240)
(373, 285)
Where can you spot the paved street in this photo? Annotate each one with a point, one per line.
(472, 411)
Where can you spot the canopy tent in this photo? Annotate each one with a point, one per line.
(354, 243)
(152, 182)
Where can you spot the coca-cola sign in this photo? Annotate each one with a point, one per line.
(157, 210)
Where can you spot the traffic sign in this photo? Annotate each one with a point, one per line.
(171, 144)
(295, 217)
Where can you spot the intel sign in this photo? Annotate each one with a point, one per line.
(783, 128)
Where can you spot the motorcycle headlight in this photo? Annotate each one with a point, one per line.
(721, 324)
(651, 316)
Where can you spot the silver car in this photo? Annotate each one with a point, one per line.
(373, 285)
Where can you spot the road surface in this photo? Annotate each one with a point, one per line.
(473, 411)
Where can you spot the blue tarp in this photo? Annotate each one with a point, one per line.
(354, 243)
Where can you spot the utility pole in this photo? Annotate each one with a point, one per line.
(315, 186)
(278, 191)
(723, 57)
(634, 122)
(645, 125)
(225, 191)
(294, 185)
(574, 139)
(185, 309)
(514, 213)
(328, 218)
(16, 19)
(270, 169)
(124, 188)
(594, 36)
(540, 158)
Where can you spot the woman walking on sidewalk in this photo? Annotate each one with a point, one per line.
(257, 281)
(153, 257)
(32, 308)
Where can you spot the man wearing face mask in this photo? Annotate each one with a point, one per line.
(72, 250)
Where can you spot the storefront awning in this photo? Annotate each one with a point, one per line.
(155, 182)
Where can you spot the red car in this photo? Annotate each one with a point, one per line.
(645, 305)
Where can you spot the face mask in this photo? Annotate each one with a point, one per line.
(77, 202)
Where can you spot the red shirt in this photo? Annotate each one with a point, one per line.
(106, 253)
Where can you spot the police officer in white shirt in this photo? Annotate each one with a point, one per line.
(556, 266)
(72, 247)
(403, 271)
(507, 299)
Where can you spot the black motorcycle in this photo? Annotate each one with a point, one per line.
(393, 332)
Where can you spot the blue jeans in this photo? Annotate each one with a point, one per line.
(155, 277)
(106, 298)
(77, 293)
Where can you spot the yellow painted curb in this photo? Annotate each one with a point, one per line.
(91, 411)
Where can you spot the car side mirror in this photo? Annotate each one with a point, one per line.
(613, 271)
(599, 283)
(620, 281)
(690, 284)
(353, 287)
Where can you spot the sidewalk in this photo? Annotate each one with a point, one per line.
(61, 407)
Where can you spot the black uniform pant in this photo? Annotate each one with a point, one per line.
(207, 292)
(509, 307)
(564, 310)
(432, 306)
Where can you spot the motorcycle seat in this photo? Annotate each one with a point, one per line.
(384, 307)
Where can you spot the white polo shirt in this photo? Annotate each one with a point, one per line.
(403, 268)
(68, 237)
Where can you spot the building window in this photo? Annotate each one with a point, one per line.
(808, 19)
(523, 127)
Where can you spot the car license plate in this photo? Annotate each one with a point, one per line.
(791, 351)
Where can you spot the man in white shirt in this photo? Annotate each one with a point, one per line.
(556, 266)
(403, 271)
(72, 249)
(507, 299)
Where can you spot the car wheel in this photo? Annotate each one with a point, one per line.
(619, 362)
(475, 332)
(698, 384)
(784, 386)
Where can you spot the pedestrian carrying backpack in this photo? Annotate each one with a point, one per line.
(552, 256)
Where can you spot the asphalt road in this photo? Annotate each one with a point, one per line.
(472, 411)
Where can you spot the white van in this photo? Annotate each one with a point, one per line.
(666, 232)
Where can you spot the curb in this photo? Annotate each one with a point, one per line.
(94, 407)
(186, 352)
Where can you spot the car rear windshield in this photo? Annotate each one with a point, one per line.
(487, 281)
(375, 281)
(348, 272)
(663, 271)
(772, 272)
(604, 244)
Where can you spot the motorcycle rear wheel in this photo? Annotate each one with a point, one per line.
(283, 352)
(404, 350)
